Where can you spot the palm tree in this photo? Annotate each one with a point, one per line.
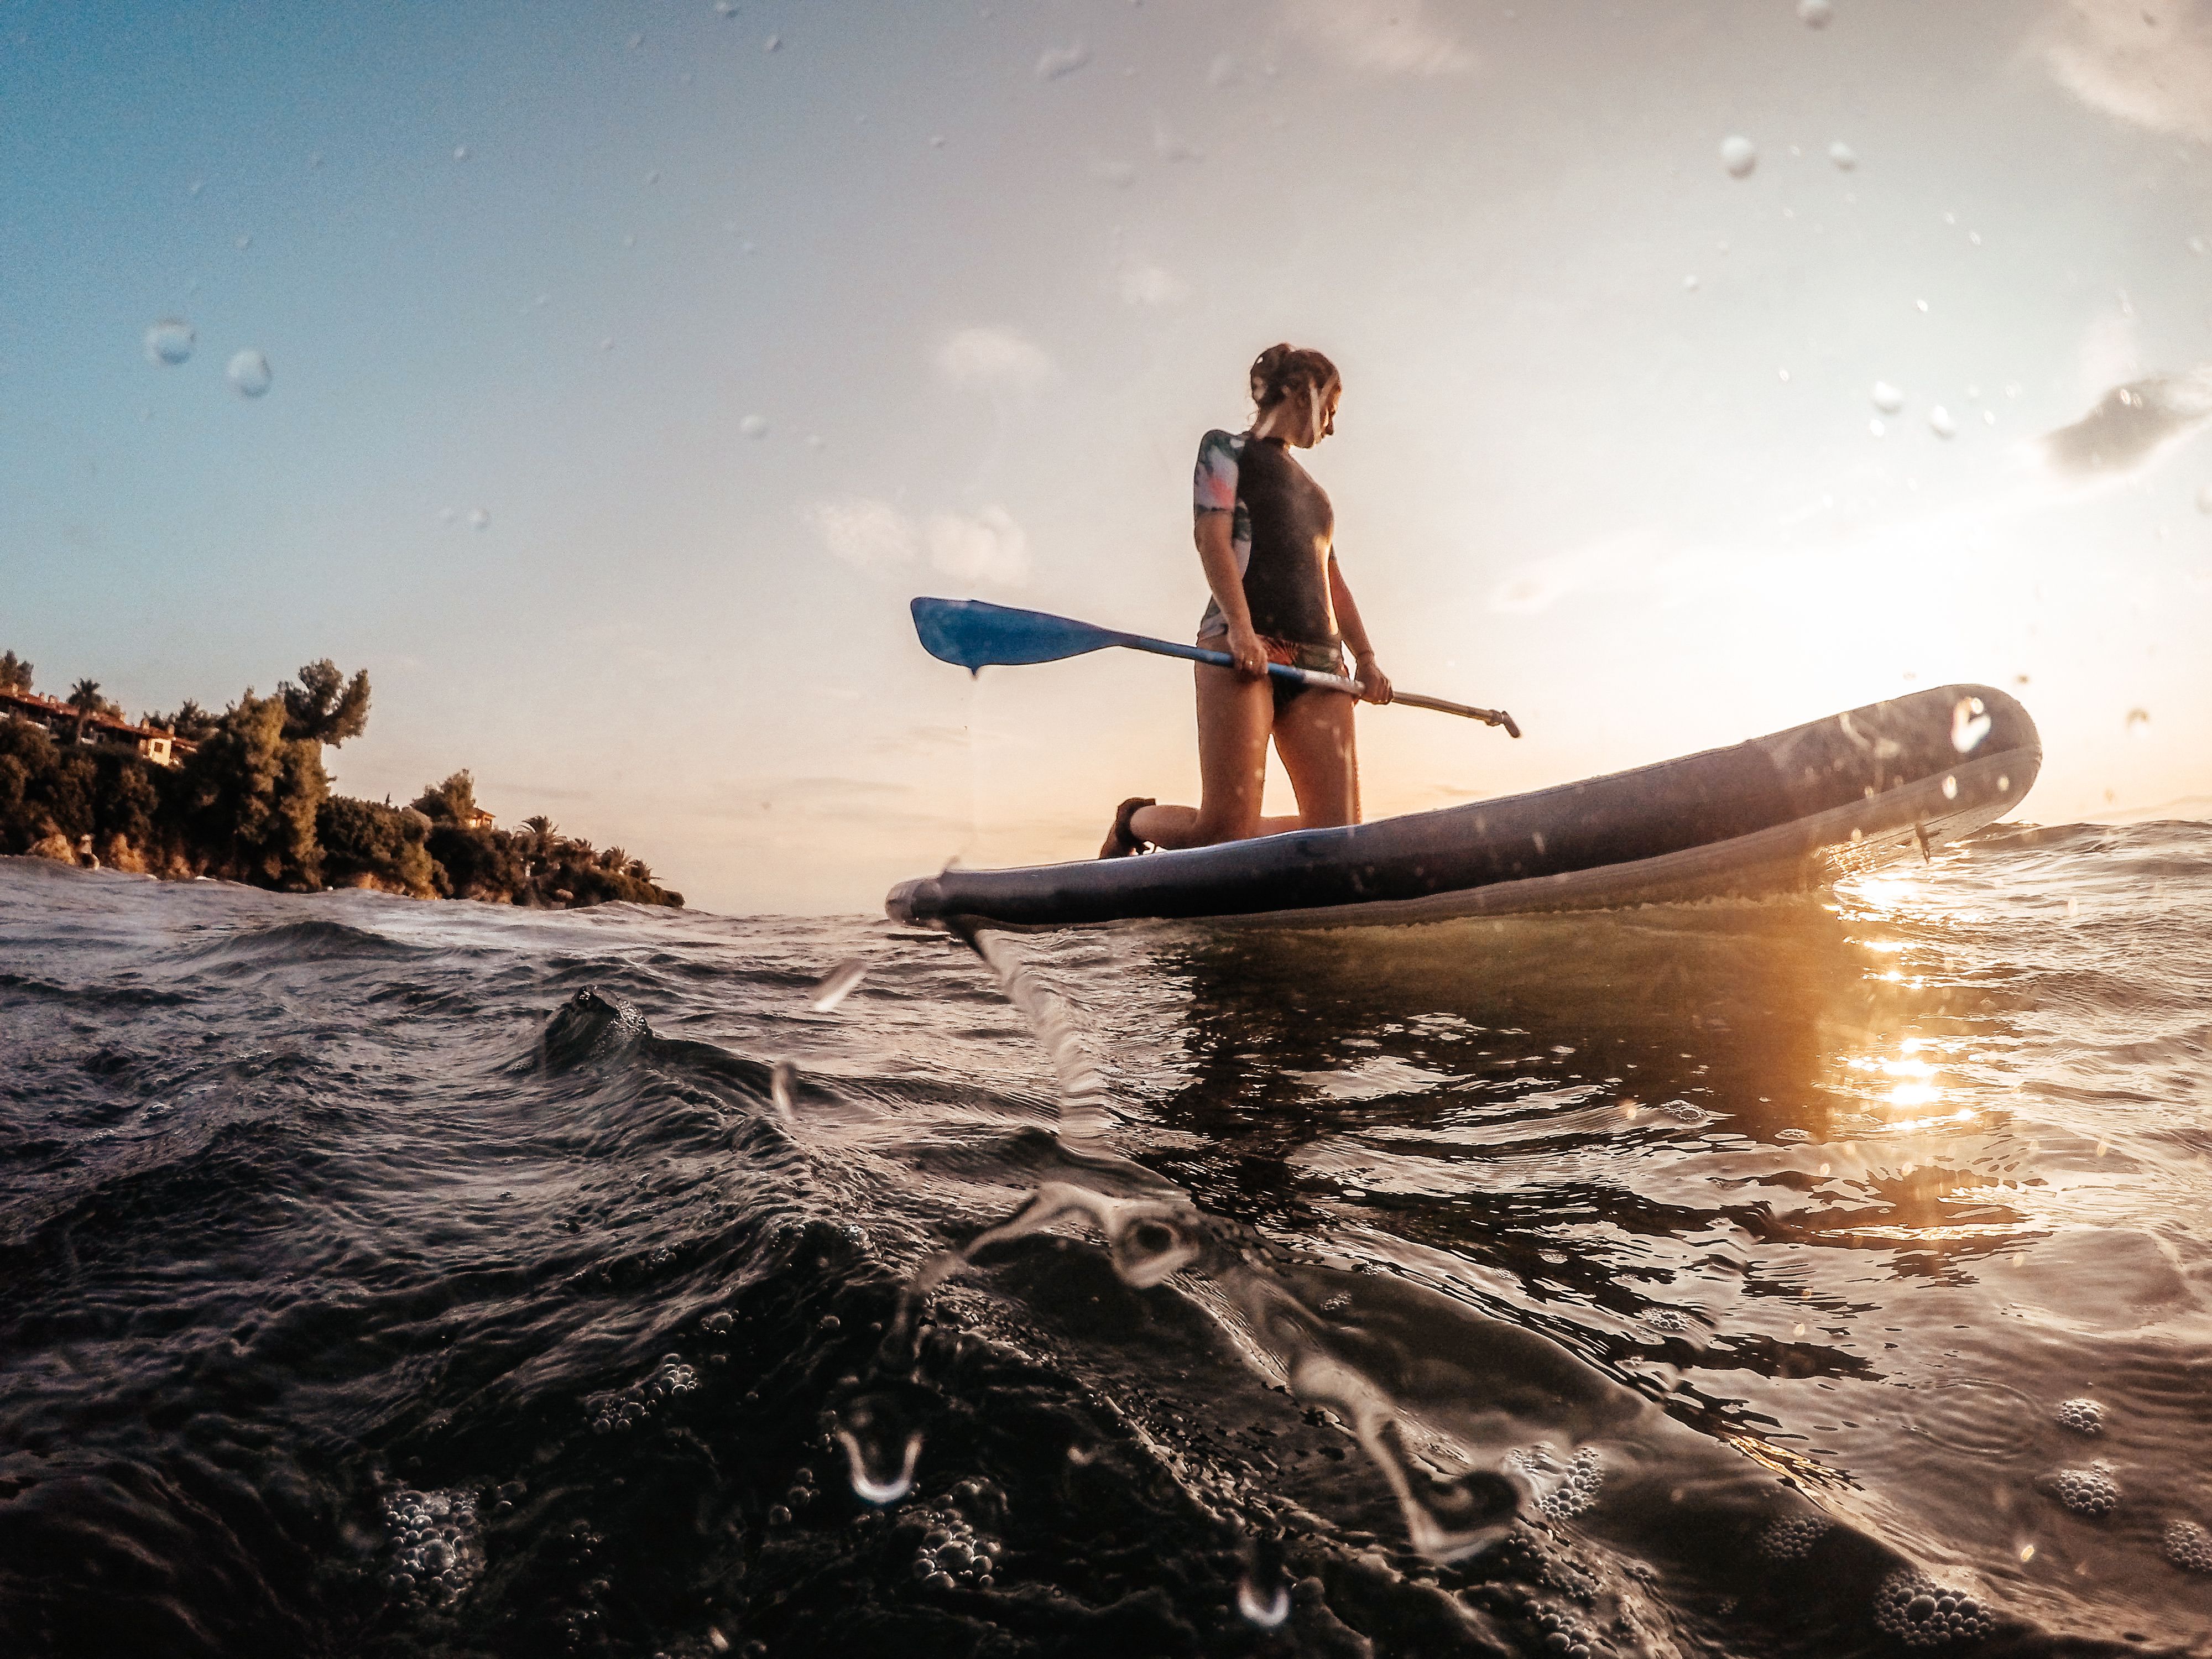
(84, 697)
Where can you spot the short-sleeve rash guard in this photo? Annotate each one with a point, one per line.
(1282, 528)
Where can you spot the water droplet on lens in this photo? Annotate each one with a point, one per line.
(1267, 1610)
(1739, 156)
(836, 985)
(170, 342)
(881, 1449)
(1816, 14)
(1969, 725)
(461, 152)
(2138, 717)
(1941, 423)
(1950, 789)
(479, 517)
(1886, 398)
(1690, 283)
(2204, 499)
(1843, 155)
(753, 426)
(774, 43)
(780, 1081)
(1877, 429)
(248, 373)
(244, 242)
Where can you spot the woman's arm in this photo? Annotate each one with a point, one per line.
(1217, 553)
(1374, 684)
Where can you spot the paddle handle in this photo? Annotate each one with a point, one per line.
(1282, 670)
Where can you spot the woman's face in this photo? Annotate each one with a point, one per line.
(1319, 405)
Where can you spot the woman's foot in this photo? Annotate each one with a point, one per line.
(1121, 839)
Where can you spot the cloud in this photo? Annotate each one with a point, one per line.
(1617, 564)
(988, 547)
(1144, 284)
(1385, 37)
(1056, 61)
(2132, 426)
(994, 359)
(870, 534)
(984, 547)
(2147, 62)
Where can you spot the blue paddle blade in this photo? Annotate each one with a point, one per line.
(975, 634)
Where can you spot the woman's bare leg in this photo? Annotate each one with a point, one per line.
(1234, 717)
(1315, 740)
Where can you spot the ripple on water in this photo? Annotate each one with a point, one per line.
(1973, 1415)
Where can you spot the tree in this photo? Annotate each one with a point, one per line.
(191, 722)
(14, 673)
(84, 697)
(326, 707)
(453, 801)
(254, 794)
(383, 844)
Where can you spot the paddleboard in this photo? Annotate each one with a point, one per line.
(1796, 809)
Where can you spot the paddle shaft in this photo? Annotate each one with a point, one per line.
(1319, 681)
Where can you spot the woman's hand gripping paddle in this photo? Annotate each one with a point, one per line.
(975, 635)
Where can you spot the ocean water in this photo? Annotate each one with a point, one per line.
(1826, 1276)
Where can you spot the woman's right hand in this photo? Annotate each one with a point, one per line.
(1246, 651)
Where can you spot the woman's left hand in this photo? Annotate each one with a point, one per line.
(1374, 684)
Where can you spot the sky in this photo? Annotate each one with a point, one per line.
(631, 365)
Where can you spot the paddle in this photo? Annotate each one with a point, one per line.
(975, 634)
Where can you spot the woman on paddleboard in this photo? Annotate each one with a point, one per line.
(1265, 537)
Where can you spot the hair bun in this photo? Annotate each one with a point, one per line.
(1283, 368)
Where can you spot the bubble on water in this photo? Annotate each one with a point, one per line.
(882, 1447)
(953, 1554)
(170, 341)
(1265, 1607)
(1794, 1135)
(753, 426)
(1923, 1614)
(479, 517)
(248, 373)
(1564, 1488)
(2083, 1416)
(781, 1077)
(1941, 423)
(1739, 156)
(1816, 14)
(1682, 1111)
(1057, 61)
(834, 987)
(1969, 725)
(433, 1554)
(2189, 1546)
(2136, 717)
(1791, 1537)
(2091, 1491)
(1843, 155)
(1886, 398)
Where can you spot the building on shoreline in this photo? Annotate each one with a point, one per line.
(66, 725)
